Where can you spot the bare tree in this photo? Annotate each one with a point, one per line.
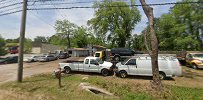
(153, 52)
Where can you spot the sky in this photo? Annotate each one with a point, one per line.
(41, 23)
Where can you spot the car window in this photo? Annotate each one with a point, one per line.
(93, 62)
(97, 54)
(35, 57)
(198, 55)
(86, 61)
(189, 56)
(131, 62)
(50, 56)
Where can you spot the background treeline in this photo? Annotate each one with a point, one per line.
(180, 29)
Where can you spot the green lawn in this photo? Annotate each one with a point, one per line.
(45, 87)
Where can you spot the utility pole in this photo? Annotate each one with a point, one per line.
(22, 37)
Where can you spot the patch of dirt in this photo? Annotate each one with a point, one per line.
(10, 95)
(191, 78)
(9, 71)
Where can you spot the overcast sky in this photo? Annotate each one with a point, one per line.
(40, 23)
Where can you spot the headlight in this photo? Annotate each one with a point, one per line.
(198, 61)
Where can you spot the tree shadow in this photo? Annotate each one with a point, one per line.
(138, 77)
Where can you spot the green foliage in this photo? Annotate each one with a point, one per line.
(181, 28)
(2, 46)
(27, 45)
(58, 40)
(37, 85)
(185, 93)
(41, 39)
(15, 42)
(114, 23)
(81, 37)
(65, 30)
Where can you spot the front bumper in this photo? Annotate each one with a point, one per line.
(200, 65)
(41, 60)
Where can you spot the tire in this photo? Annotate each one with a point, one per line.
(67, 70)
(123, 74)
(105, 72)
(162, 75)
(117, 58)
(194, 66)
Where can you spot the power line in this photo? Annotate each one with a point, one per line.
(43, 0)
(79, 7)
(11, 5)
(66, 3)
(10, 13)
(1, 11)
(58, 10)
(83, 7)
(42, 19)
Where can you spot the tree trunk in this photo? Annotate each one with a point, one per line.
(156, 83)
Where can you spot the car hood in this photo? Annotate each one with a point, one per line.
(118, 64)
(106, 64)
(198, 58)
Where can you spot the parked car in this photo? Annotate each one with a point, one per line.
(90, 64)
(63, 55)
(46, 58)
(168, 67)
(31, 58)
(9, 60)
(194, 60)
(118, 53)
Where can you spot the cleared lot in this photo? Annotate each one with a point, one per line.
(191, 77)
(130, 88)
(9, 71)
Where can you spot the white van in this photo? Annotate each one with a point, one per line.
(168, 67)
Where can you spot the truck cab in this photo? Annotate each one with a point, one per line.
(100, 54)
(90, 64)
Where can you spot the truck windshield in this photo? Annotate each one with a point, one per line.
(198, 55)
(99, 61)
(123, 62)
(97, 54)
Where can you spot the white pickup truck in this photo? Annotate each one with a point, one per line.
(90, 64)
(168, 67)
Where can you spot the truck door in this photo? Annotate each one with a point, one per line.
(86, 65)
(94, 66)
(132, 66)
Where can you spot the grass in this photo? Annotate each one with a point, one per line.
(45, 87)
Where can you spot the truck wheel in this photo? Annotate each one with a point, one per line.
(123, 74)
(194, 66)
(67, 70)
(162, 75)
(117, 58)
(105, 72)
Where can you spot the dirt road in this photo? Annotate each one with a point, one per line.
(8, 72)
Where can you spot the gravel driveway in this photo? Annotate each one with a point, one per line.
(9, 71)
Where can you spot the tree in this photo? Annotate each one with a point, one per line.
(64, 29)
(114, 23)
(153, 52)
(2, 46)
(41, 39)
(58, 40)
(81, 37)
(27, 45)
